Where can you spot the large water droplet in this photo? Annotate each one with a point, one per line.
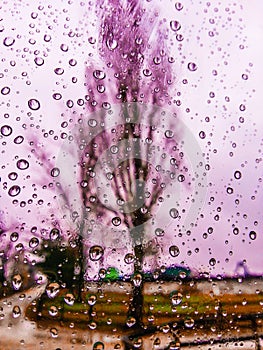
(19, 139)
(53, 311)
(54, 234)
(252, 235)
(14, 236)
(98, 346)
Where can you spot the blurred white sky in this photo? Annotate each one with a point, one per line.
(221, 37)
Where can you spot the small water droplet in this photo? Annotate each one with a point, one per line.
(54, 234)
(59, 71)
(176, 298)
(22, 164)
(55, 172)
(179, 6)
(39, 61)
(52, 290)
(64, 47)
(96, 253)
(14, 236)
(6, 130)
(5, 90)
(69, 299)
(111, 43)
(237, 174)
(130, 321)
(14, 191)
(17, 282)
(34, 104)
(53, 311)
(129, 258)
(8, 41)
(212, 262)
(174, 213)
(34, 242)
(19, 139)
(192, 66)
(137, 280)
(242, 107)
(175, 26)
(116, 221)
(54, 332)
(16, 311)
(98, 74)
(252, 235)
(174, 251)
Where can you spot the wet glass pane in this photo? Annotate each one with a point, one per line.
(131, 175)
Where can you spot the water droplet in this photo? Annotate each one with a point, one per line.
(98, 346)
(96, 253)
(17, 282)
(169, 134)
(14, 236)
(16, 312)
(6, 130)
(98, 74)
(18, 140)
(69, 299)
(92, 300)
(174, 213)
(159, 232)
(242, 107)
(192, 66)
(8, 41)
(174, 251)
(179, 6)
(114, 149)
(39, 61)
(54, 332)
(59, 71)
(202, 135)
(53, 311)
(54, 234)
(116, 221)
(229, 190)
(5, 90)
(57, 96)
(176, 298)
(47, 38)
(212, 262)
(130, 321)
(252, 235)
(64, 47)
(237, 174)
(34, 242)
(72, 62)
(34, 104)
(137, 280)
(244, 76)
(175, 26)
(129, 258)
(52, 290)
(55, 172)
(111, 43)
(22, 164)
(189, 323)
(12, 176)
(14, 191)
(147, 72)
